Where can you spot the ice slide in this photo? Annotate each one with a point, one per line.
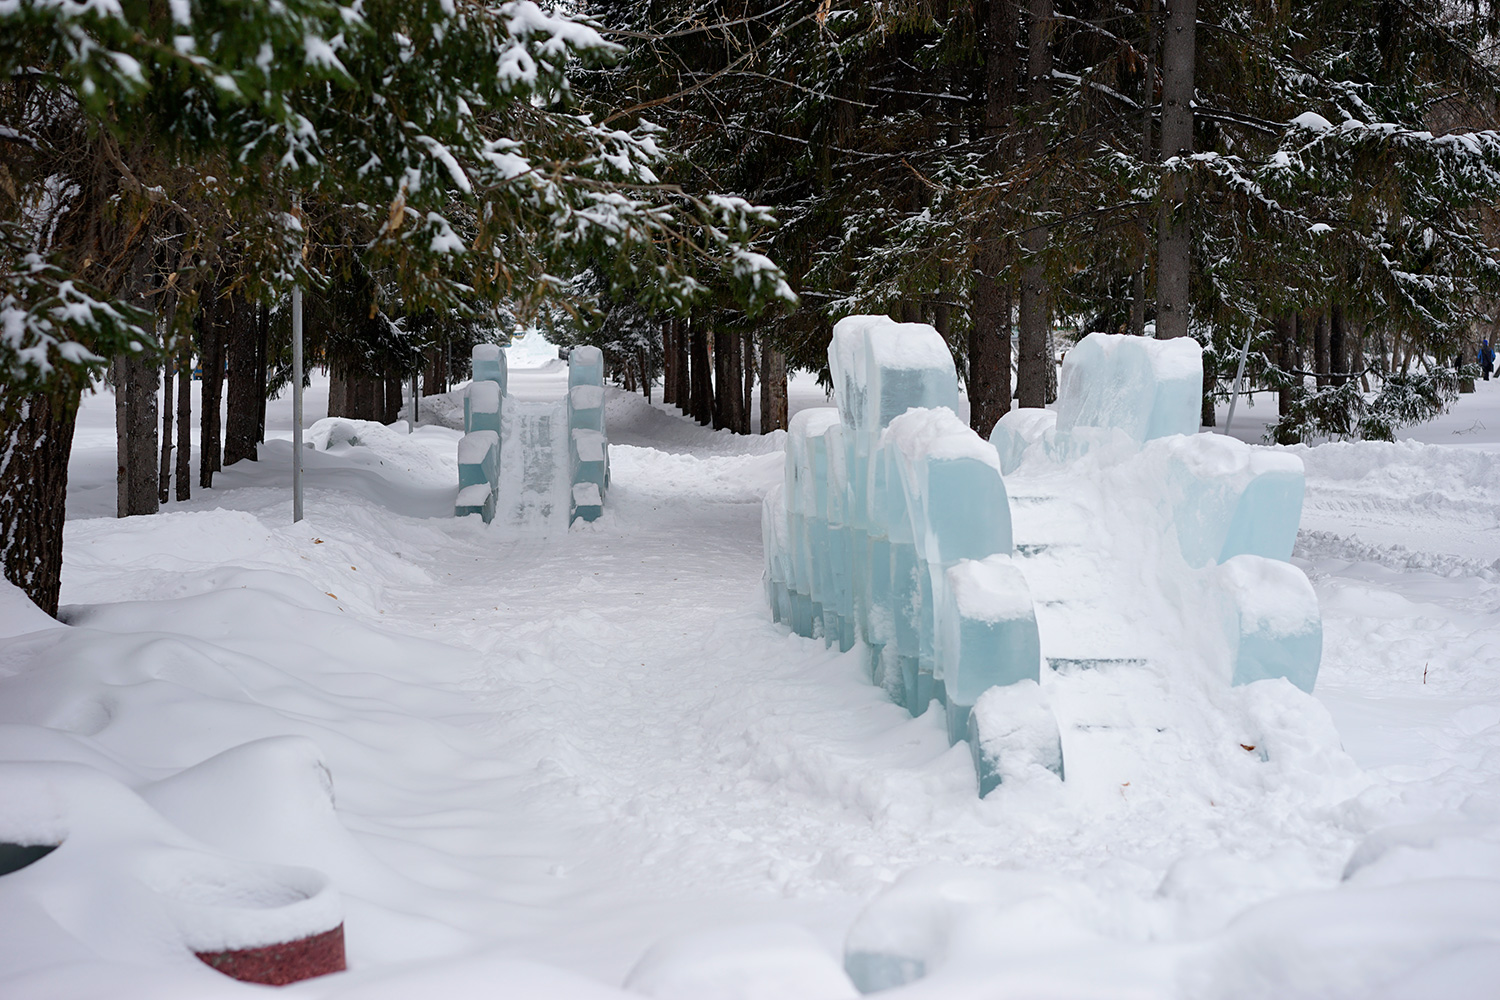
(526, 461)
(1086, 586)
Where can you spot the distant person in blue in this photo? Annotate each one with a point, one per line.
(1486, 358)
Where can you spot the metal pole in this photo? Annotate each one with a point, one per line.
(296, 403)
(1239, 377)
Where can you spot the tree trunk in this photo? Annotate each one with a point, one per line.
(185, 419)
(773, 416)
(1148, 102)
(1174, 229)
(1035, 314)
(243, 417)
(747, 401)
(211, 329)
(392, 410)
(646, 379)
(119, 374)
(989, 297)
(435, 377)
(1338, 351)
(669, 361)
(338, 390)
(684, 367)
(137, 459)
(1286, 360)
(1207, 417)
(1321, 362)
(989, 351)
(722, 379)
(703, 383)
(164, 472)
(36, 440)
(262, 362)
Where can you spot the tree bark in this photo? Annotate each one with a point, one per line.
(137, 458)
(391, 412)
(723, 351)
(1338, 351)
(703, 387)
(262, 362)
(435, 377)
(1035, 313)
(1174, 229)
(164, 474)
(1321, 362)
(989, 296)
(338, 390)
(1148, 101)
(36, 440)
(669, 361)
(773, 416)
(684, 367)
(241, 346)
(989, 353)
(185, 419)
(747, 399)
(1286, 360)
(211, 329)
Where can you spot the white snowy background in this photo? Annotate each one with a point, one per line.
(535, 762)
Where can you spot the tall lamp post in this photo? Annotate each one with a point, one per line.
(297, 392)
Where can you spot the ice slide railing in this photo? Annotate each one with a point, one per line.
(893, 527)
(588, 442)
(479, 448)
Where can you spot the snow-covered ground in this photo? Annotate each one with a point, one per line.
(554, 752)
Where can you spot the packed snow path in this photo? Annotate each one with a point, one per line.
(564, 746)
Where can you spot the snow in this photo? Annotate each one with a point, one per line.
(553, 754)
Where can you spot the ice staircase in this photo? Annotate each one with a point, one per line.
(1079, 592)
(526, 461)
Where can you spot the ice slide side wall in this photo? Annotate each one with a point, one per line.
(479, 448)
(892, 524)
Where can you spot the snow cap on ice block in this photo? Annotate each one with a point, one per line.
(1273, 621)
(585, 366)
(490, 365)
(1229, 498)
(1017, 431)
(1142, 387)
(989, 635)
(482, 407)
(479, 459)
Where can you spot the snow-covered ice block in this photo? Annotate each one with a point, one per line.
(482, 407)
(586, 407)
(763, 961)
(587, 502)
(989, 635)
(478, 499)
(590, 458)
(1273, 621)
(1019, 430)
(585, 366)
(882, 368)
(1229, 498)
(479, 459)
(951, 477)
(490, 365)
(1143, 387)
(940, 916)
(1013, 735)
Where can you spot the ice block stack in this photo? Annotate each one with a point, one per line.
(588, 442)
(892, 527)
(479, 448)
(1134, 402)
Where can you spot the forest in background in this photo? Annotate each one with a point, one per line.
(702, 189)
